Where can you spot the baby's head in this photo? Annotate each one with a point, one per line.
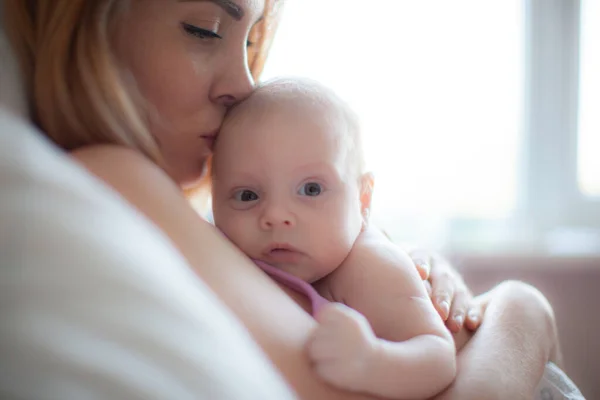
(289, 186)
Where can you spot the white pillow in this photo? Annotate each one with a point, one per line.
(95, 303)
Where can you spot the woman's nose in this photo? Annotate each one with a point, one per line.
(275, 217)
(235, 84)
(227, 100)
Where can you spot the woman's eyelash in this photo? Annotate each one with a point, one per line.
(199, 32)
(206, 34)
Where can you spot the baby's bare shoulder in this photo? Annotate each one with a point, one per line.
(375, 266)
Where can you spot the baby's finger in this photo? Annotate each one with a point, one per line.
(320, 348)
(329, 312)
(330, 372)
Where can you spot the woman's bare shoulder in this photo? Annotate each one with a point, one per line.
(127, 170)
(106, 150)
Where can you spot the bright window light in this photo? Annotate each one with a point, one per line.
(589, 99)
(438, 86)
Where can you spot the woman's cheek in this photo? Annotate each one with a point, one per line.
(177, 94)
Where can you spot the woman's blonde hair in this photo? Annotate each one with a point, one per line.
(76, 92)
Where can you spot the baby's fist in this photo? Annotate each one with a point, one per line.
(341, 346)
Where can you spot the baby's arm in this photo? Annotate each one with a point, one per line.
(415, 357)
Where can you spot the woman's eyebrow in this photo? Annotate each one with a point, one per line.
(235, 11)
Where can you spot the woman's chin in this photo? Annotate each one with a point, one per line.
(191, 177)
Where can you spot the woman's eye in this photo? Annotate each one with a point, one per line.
(200, 33)
(245, 195)
(311, 189)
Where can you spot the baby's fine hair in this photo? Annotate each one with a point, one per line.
(281, 90)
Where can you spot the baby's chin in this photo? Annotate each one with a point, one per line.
(304, 271)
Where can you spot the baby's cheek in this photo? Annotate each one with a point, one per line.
(236, 230)
(336, 239)
(227, 225)
(224, 222)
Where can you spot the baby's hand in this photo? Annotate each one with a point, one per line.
(342, 346)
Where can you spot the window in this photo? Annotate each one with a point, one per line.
(466, 108)
(589, 100)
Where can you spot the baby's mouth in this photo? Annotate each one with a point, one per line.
(282, 253)
(276, 252)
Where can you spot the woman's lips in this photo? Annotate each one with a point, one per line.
(210, 138)
(210, 141)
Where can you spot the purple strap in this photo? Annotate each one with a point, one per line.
(317, 301)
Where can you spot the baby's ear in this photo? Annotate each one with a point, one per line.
(367, 181)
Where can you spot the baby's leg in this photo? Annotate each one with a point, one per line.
(506, 357)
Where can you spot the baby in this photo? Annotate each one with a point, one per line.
(291, 191)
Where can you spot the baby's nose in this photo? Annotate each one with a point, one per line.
(275, 217)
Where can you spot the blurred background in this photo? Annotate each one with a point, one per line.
(481, 119)
(481, 122)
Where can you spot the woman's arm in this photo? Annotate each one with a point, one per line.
(506, 357)
(274, 320)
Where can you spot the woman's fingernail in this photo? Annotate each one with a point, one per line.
(473, 315)
(459, 319)
(444, 306)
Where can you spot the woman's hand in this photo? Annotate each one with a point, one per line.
(449, 293)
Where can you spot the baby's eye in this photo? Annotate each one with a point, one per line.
(245, 195)
(311, 189)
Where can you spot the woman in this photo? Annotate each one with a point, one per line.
(137, 91)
